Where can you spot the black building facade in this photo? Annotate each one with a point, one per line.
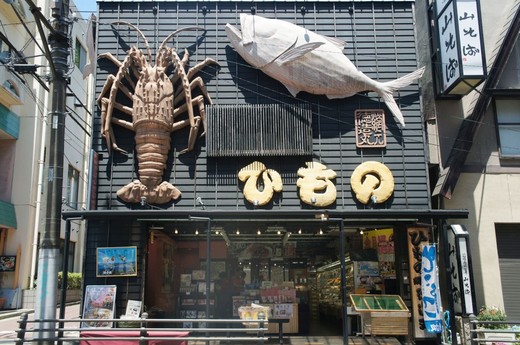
(253, 118)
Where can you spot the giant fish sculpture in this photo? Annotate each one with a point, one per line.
(303, 60)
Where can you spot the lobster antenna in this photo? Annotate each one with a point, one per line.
(141, 34)
(178, 31)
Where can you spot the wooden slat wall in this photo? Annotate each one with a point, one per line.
(116, 234)
(380, 41)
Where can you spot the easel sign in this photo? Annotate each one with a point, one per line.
(99, 305)
(133, 309)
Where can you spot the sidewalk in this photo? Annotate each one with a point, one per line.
(7, 314)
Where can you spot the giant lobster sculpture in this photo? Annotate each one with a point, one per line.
(157, 102)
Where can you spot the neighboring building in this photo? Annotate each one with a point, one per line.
(24, 151)
(157, 249)
(474, 151)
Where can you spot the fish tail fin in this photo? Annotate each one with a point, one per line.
(387, 90)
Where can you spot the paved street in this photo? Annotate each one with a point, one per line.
(9, 321)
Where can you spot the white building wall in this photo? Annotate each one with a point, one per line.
(30, 170)
(490, 198)
(488, 186)
(26, 155)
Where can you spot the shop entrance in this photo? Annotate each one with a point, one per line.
(295, 273)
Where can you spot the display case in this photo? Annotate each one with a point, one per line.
(329, 287)
(382, 314)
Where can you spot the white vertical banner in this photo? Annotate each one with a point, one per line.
(470, 37)
(460, 270)
(449, 41)
(465, 276)
(430, 290)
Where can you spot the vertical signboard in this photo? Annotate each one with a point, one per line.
(417, 238)
(460, 270)
(460, 45)
(450, 68)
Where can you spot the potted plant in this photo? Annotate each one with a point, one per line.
(493, 314)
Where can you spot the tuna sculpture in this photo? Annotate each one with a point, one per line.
(303, 60)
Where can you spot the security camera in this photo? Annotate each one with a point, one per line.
(199, 201)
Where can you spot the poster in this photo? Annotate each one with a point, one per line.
(386, 258)
(99, 303)
(366, 275)
(284, 310)
(133, 309)
(216, 267)
(116, 261)
(7, 263)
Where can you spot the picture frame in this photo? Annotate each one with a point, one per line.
(216, 267)
(116, 261)
(198, 275)
(133, 309)
(7, 263)
(99, 303)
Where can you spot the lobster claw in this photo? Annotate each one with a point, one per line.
(135, 191)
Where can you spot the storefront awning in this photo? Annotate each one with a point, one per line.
(290, 215)
(7, 215)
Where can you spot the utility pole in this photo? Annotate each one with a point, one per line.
(49, 245)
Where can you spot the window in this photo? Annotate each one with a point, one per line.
(508, 125)
(72, 187)
(80, 56)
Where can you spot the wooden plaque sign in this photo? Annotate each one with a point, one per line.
(370, 128)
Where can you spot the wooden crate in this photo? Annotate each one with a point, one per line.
(386, 323)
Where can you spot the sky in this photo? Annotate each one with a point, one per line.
(86, 7)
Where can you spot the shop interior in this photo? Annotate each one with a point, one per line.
(294, 271)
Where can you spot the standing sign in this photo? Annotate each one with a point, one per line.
(461, 46)
(460, 270)
(99, 305)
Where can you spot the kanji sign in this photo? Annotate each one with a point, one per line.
(460, 46)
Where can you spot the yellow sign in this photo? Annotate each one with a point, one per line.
(271, 179)
(372, 182)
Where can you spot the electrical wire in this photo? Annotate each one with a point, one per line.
(349, 123)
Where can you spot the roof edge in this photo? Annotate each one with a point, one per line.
(241, 215)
